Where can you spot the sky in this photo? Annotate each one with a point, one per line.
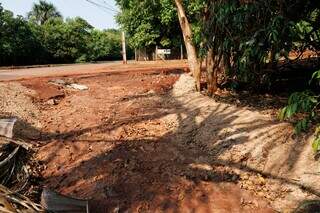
(101, 18)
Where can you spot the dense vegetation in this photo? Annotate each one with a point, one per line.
(44, 37)
(149, 23)
(252, 40)
(243, 43)
(152, 23)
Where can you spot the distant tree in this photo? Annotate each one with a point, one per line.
(54, 41)
(165, 23)
(18, 44)
(67, 41)
(149, 22)
(42, 12)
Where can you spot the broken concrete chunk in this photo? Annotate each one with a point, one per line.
(53, 101)
(68, 84)
(78, 86)
(6, 127)
(58, 82)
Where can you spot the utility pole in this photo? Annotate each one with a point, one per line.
(124, 52)
(135, 54)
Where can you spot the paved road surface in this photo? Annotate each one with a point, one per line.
(83, 69)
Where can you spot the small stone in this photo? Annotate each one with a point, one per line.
(51, 102)
(234, 178)
(116, 209)
(110, 191)
(181, 196)
(245, 177)
(261, 181)
(242, 201)
(260, 194)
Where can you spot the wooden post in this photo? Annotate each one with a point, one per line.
(124, 52)
(145, 54)
(135, 54)
(181, 51)
(156, 52)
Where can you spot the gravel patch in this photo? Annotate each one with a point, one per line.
(248, 142)
(16, 102)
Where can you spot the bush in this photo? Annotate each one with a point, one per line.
(54, 41)
(306, 104)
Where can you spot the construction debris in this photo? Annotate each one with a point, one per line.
(69, 84)
(6, 127)
(58, 82)
(14, 171)
(12, 202)
(55, 202)
(78, 86)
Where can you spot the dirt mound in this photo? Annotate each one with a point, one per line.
(43, 90)
(16, 101)
(146, 141)
(116, 147)
(260, 149)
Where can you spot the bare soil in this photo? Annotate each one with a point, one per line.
(87, 69)
(145, 141)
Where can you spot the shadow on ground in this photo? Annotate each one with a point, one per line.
(189, 168)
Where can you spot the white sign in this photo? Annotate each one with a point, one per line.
(164, 51)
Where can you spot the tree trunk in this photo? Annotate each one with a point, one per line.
(215, 79)
(212, 72)
(209, 68)
(193, 61)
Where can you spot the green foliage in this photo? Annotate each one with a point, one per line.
(150, 22)
(316, 141)
(306, 104)
(67, 41)
(301, 102)
(54, 40)
(17, 40)
(255, 35)
(42, 12)
(315, 76)
(140, 21)
(105, 45)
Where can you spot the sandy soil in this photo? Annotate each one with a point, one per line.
(145, 141)
(87, 69)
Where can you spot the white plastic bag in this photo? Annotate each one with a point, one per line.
(6, 127)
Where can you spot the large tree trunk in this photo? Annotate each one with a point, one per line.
(193, 61)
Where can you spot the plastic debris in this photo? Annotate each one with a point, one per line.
(6, 127)
(55, 202)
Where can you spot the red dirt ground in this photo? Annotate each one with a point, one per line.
(111, 145)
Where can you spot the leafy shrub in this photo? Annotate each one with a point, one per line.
(306, 104)
(253, 36)
(54, 40)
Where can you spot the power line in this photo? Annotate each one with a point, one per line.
(109, 5)
(101, 6)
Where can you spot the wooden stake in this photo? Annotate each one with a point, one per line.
(124, 53)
